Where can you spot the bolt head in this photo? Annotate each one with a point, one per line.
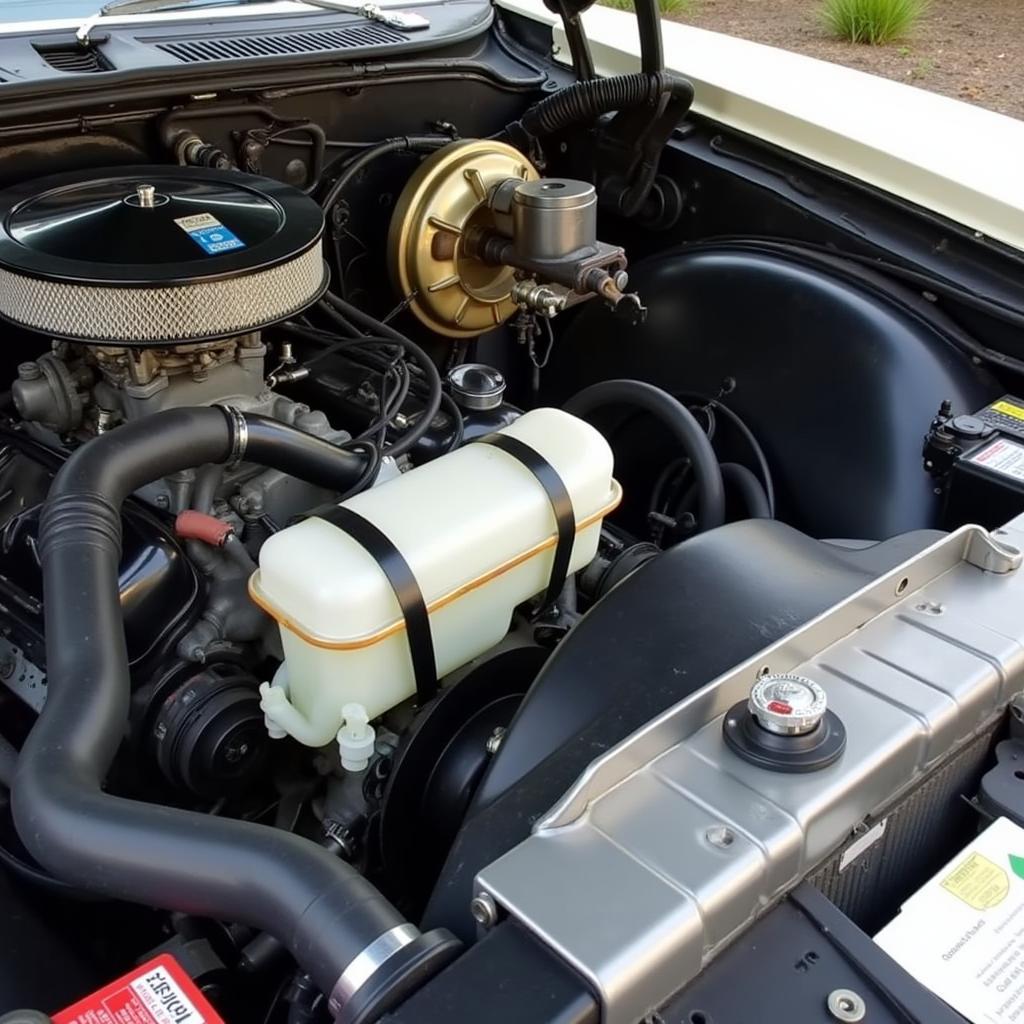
(484, 910)
(495, 740)
(720, 836)
(846, 1006)
(234, 754)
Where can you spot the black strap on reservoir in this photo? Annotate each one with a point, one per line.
(407, 590)
(561, 505)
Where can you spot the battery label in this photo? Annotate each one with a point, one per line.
(1008, 409)
(209, 234)
(1002, 456)
(158, 992)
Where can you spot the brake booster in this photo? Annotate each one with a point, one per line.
(477, 234)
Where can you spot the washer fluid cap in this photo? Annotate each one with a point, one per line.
(156, 254)
(787, 705)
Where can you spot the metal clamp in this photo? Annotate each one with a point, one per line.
(239, 430)
(368, 962)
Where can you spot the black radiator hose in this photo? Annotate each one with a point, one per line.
(583, 102)
(748, 488)
(685, 429)
(349, 938)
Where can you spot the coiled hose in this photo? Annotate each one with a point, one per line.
(338, 926)
(583, 102)
(680, 422)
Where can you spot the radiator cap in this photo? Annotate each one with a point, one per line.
(787, 705)
(785, 726)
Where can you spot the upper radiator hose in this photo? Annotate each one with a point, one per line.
(349, 938)
(682, 424)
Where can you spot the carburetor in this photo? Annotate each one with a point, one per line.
(478, 235)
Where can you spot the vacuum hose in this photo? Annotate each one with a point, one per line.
(583, 102)
(353, 943)
(684, 427)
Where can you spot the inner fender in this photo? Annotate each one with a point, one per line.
(838, 372)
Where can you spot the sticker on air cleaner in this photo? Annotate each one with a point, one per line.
(158, 992)
(209, 234)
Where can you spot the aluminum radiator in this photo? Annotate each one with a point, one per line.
(673, 842)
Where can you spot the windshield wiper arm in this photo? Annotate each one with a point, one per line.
(143, 7)
(407, 20)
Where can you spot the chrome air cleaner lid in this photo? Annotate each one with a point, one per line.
(153, 254)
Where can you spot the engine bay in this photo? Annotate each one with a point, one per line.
(376, 485)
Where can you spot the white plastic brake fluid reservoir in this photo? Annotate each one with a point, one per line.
(478, 531)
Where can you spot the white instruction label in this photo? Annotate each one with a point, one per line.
(1002, 456)
(962, 934)
(164, 998)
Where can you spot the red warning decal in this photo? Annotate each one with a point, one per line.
(158, 992)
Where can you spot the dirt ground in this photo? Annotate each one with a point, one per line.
(972, 50)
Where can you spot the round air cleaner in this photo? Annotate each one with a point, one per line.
(157, 255)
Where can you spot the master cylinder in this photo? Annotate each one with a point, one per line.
(477, 234)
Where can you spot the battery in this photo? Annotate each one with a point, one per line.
(979, 462)
(157, 992)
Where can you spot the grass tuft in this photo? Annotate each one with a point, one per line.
(665, 6)
(871, 21)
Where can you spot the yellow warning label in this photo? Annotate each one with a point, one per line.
(1008, 409)
(978, 882)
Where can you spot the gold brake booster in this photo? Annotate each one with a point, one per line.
(477, 234)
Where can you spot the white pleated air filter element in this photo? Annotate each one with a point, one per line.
(157, 255)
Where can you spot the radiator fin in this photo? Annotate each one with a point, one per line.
(923, 831)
